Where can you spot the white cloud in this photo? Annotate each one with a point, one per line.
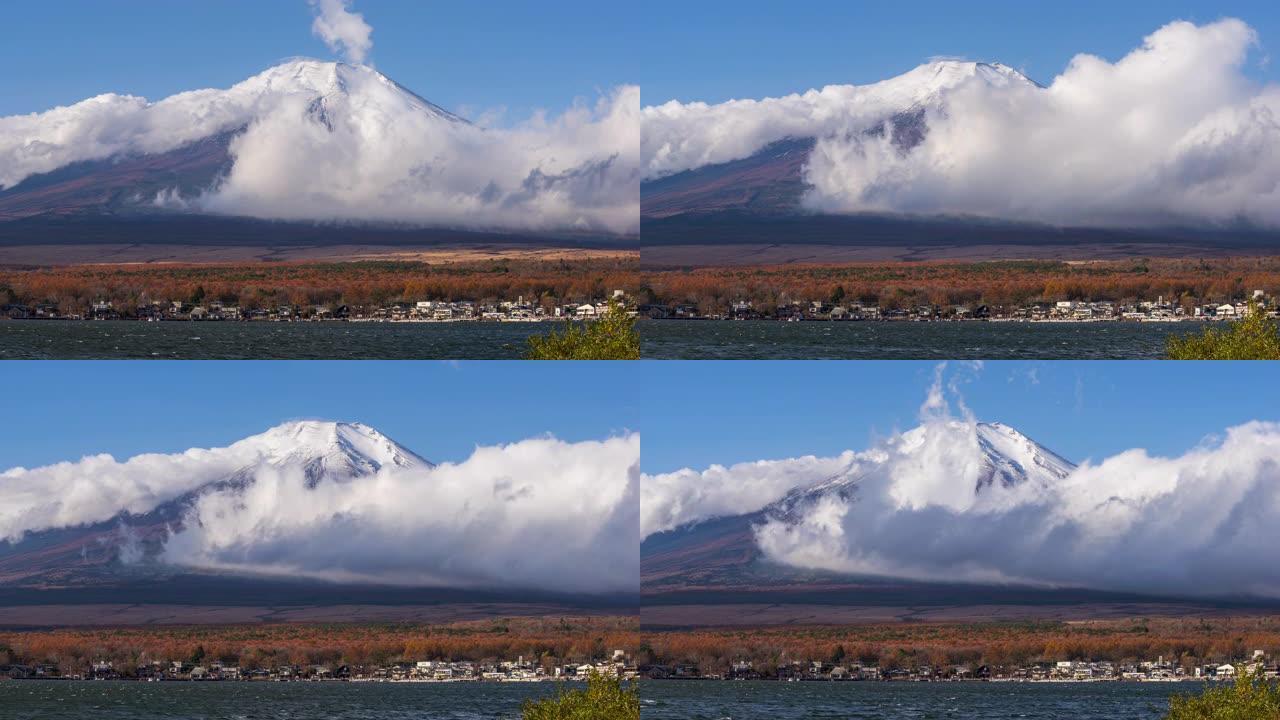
(671, 500)
(1174, 132)
(343, 31)
(1186, 525)
(540, 513)
(927, 504)
(99, 487)
(326, 142)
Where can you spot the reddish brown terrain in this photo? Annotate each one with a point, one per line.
(1188, 639)
(893, 284)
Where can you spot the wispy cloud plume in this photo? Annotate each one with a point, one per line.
(343, 31)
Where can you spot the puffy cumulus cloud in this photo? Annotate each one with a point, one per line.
(671, 500)
(540, 513)
(955, 499)
(1190, 525)
(98, 488)
(675, 499)
(111, 124)
(1174, 132)
(575, 171)
(319, 141)
(343, 31)
(681, 136)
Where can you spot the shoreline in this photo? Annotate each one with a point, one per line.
(1028, 321)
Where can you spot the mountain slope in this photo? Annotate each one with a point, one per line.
(127, 545)
(721, 555)
(966, 520)
(770, 180)
(310, 143)
(126, 184)
(182, 149)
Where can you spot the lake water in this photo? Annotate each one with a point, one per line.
(773, 340)
(80, 340)
(661, 700)
(699, 700)
(60, 700)
(660, 339)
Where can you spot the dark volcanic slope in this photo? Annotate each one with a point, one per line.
(757, 200)
(768, 182)
(717, 563)
(180, 588)
(703, 554)
(733, 227)
(112, 201)
(209, 230)
(128, 184)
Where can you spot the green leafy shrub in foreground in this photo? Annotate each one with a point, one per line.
(604, 699)
(612, 337)
(1253, 337)
(1250, 698)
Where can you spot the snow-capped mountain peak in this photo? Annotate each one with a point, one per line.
(928, 84)
(326, 82)
(1005, 458)
(944, 74)
(325, 449)
(1011, 458)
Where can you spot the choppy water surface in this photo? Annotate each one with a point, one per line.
(685, 700)
(772, 340)
(60, 700)
(660, 339)
(79, 340)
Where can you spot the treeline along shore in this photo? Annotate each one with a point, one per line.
(497, 650)
(1137, 650)
(373, 289)
(1139, 289)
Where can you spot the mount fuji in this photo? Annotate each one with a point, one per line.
(723, 550)
(295, 515)
(707, 568)
(101, 547)
(742, 173)
(306, 152)
(762, 174)
(58, 167)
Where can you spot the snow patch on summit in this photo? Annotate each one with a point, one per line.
(331, 449)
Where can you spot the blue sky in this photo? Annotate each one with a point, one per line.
(65, 410)
(464, 56)
(693, 414)
(689, 413)
(715, 50)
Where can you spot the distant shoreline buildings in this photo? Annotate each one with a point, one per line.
(1157, 670)
(1158, 310)
(522, 669)
(517, 310)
